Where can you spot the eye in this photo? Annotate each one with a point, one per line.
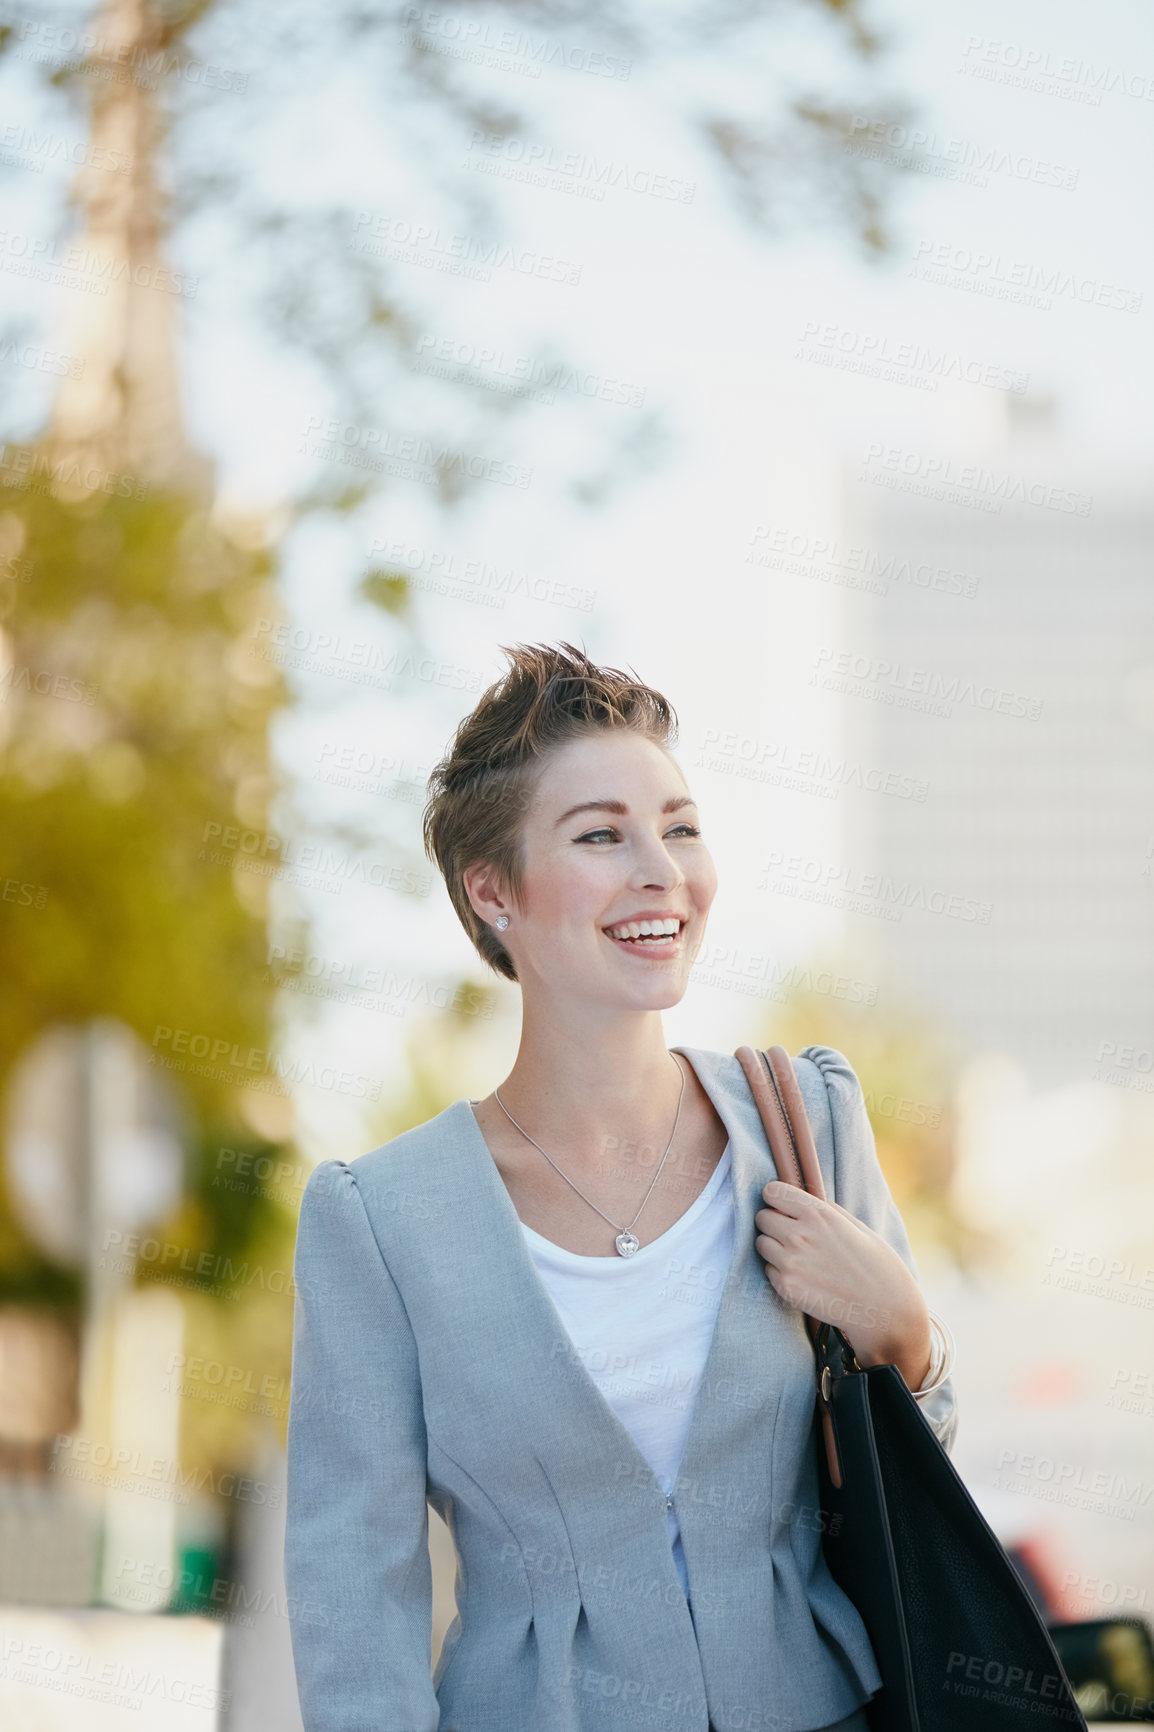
(688, 830)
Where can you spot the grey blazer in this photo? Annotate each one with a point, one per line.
(430, 1366)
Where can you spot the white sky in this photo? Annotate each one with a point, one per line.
(685, 300)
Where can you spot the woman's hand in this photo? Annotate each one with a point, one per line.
(825, 1261)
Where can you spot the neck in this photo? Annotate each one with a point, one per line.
(579, 1091)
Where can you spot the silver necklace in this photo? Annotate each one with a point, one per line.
(627, 1241)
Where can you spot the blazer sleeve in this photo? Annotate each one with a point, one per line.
(357, 1566)
(860, 1186)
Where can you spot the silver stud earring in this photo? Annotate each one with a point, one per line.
(501, 922)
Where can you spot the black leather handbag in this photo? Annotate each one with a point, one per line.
(957, 1639)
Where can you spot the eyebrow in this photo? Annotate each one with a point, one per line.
(673, 804)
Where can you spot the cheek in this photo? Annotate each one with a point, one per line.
(703, 884)
(568, 893)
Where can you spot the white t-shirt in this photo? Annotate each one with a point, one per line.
(642, 1325)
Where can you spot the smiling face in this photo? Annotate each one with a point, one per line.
(618, 882)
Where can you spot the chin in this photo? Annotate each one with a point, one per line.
(657, 994)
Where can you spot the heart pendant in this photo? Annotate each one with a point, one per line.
(627, 1243)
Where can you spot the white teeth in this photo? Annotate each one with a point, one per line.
(658, 930)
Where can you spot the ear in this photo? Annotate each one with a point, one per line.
(484, 892)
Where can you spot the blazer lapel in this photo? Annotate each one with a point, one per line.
(539, 1327)
(749, 1306)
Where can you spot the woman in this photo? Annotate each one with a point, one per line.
(570, 1315)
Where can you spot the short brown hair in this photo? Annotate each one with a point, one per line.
(481, 788)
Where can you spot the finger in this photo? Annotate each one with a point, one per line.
(788, 1198)
(770, 1253)
(849, 1216)
(774, 1226)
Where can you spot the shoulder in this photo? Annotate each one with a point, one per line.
(833, 1096)
(410, 1180)
(414, 1174)
(422, 1146)
(827, 1074)
(826, 1077)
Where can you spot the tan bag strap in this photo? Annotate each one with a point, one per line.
(776, 1090)
(777, 1093)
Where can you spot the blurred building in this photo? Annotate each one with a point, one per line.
(1003, 652)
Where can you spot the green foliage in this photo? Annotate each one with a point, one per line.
(229, 1203)
(389, 590)
(134, 709)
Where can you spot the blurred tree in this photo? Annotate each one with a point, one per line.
(135, 709)
(779, 91)
(135, 723)
(134, 729)
(907, 1071)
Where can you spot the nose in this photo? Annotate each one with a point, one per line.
(658, 870)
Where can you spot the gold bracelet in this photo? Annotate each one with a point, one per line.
(942, 1355)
